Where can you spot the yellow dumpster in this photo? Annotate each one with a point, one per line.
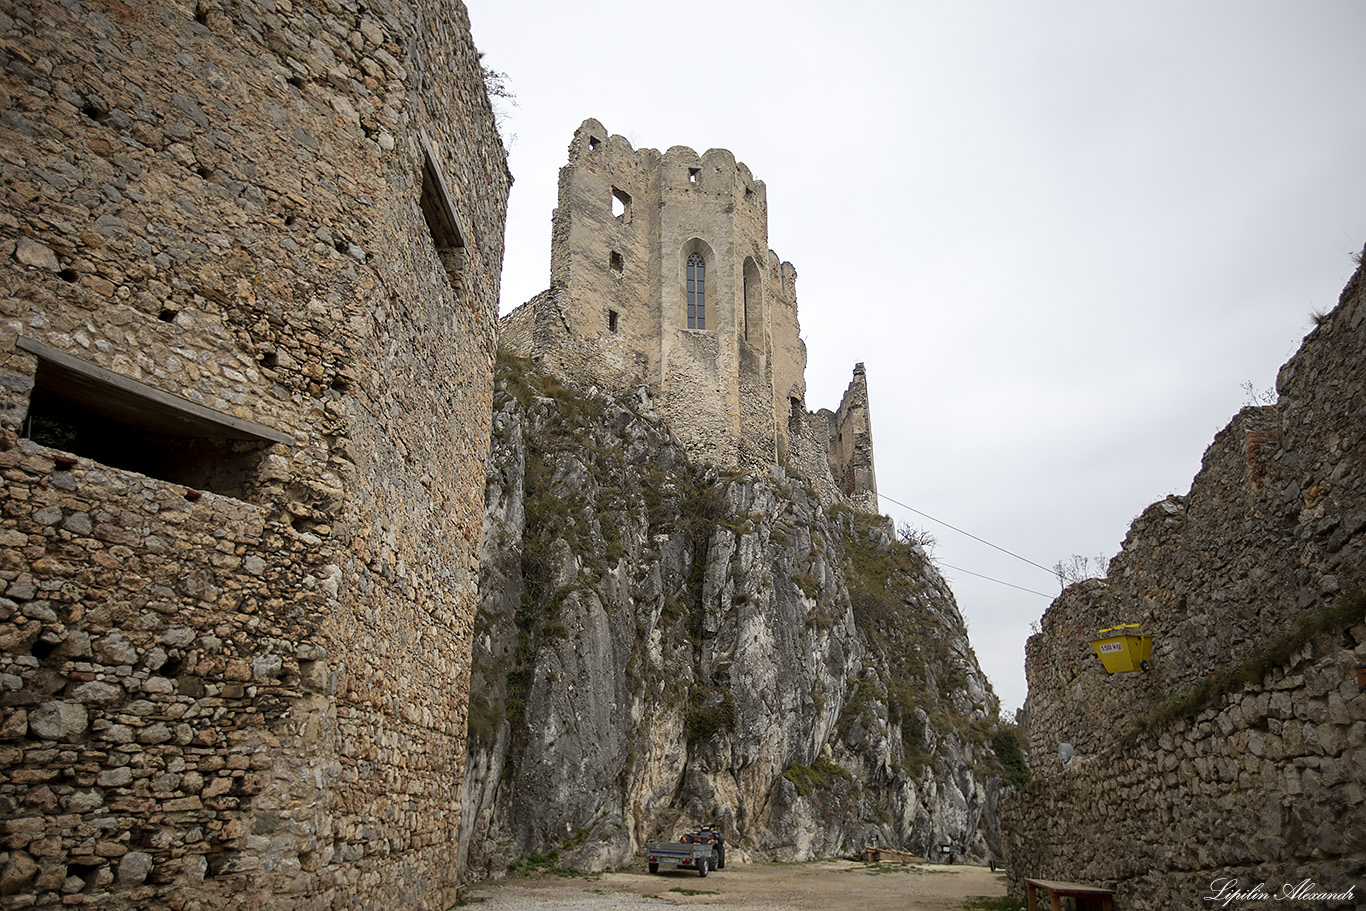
(1123, 648)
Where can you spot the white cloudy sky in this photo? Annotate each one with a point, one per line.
(1061, 235)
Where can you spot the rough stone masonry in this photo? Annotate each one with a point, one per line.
(249, 260)
(1261, 781)
(661, 277)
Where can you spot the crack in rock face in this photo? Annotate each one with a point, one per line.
(661, 645)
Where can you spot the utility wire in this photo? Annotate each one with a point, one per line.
(997, 581)
(973, 537)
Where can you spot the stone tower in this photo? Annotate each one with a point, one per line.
(661, 276)
(249, 265)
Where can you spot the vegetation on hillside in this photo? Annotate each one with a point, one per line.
(629, 498)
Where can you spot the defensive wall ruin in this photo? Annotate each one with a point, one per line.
(249, 266)
(1241, 755)
(661, 276)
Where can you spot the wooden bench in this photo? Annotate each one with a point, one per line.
(1057, 891)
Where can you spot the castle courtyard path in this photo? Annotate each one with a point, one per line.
(818, 886)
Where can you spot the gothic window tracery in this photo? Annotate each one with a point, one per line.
(697, 292)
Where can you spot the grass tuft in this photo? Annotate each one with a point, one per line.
(989, 903)
(1344, 613)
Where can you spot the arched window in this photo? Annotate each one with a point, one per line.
(697, 292)
(753, 290)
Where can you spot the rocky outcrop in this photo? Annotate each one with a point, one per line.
(660, 645)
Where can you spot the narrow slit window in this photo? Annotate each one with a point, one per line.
(615, 262)
(611, 321)
(447, 233)
(697, 292)
(692, 174)
(750, 313)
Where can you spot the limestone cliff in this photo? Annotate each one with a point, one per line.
(660, 644)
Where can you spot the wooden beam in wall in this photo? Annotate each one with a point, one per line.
(112, 395)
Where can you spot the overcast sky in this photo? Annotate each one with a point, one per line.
(1061, 236)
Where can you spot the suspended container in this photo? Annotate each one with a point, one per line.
(1124, 648)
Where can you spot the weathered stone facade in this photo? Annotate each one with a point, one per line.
(729, 374)
(1265, 784)
(249, 254)
(1264, 788)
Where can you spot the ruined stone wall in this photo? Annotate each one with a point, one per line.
(1274, 526)
(1265, 788)
(605, 325)
(615, 315)
(789, 360)
(517, 330)
(1272, 530)
(760, 432)
(712, 206)
(849, 443)
(245, 694)
(835, 449)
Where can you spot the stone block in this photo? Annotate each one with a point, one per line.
(115, 649)
(51, 877)
(1340, 710)
(14, 725)
(99, 694)
(58, 720)
(134, 868)
(115, 778)
(1281, 705)
(18, 873)
(1313, 711)
(182, 805)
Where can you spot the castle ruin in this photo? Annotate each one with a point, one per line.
(249, 266)
(661, 276)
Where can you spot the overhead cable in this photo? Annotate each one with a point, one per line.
(973, 537)
(997, 581)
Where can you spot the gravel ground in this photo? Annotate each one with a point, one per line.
(819, 886)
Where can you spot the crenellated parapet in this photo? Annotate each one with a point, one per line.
(661, 276)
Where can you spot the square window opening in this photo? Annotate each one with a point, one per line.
(692, 174)
(593, 143)
(621, 205)
(95, 414)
